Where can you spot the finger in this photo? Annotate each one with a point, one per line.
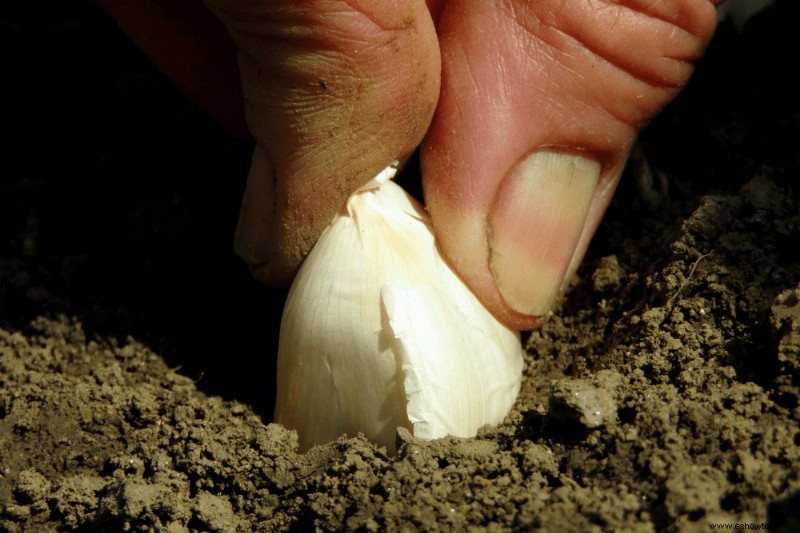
(539, 106)
(334, 92)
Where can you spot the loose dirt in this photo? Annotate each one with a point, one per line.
(137, 356)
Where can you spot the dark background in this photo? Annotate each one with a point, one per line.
(118, 203)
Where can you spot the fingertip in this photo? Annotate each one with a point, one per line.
(330, 107)
(528, 141)
(514, 250)
(253, 239)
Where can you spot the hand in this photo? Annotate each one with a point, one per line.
(525, 111)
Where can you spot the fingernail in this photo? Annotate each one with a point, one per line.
(254, 229)
(534, 226)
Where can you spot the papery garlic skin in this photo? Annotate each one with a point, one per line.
(378, 332)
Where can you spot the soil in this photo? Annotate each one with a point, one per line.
(137, 356)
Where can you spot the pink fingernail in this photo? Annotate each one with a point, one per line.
(534, 226)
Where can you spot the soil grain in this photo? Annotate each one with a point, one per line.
(137, 356)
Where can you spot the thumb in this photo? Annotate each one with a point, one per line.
(540, 104)
(334, 91)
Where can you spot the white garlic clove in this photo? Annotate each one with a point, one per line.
(378, 332)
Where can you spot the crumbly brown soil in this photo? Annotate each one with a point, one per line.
(137, 356)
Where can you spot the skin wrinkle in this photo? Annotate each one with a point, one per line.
(594, 106)
(326, 26)
(684, 21)
(348, 112)
(676, 35)
(352, 169)
(616, 16)
(355, 7)
(497, 107)
(633, 117)
(339, 127)
(476, 86)
(406, 22)
(306, 105)
(556, 103)
(558, 54)
(309, 112)
(330, 43)
(621, 68)
(690, 22)
(550, 18)
(284, 30)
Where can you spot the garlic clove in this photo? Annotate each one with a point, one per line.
(378, 332)
(445, 381)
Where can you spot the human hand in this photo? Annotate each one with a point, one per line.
(525, 112)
